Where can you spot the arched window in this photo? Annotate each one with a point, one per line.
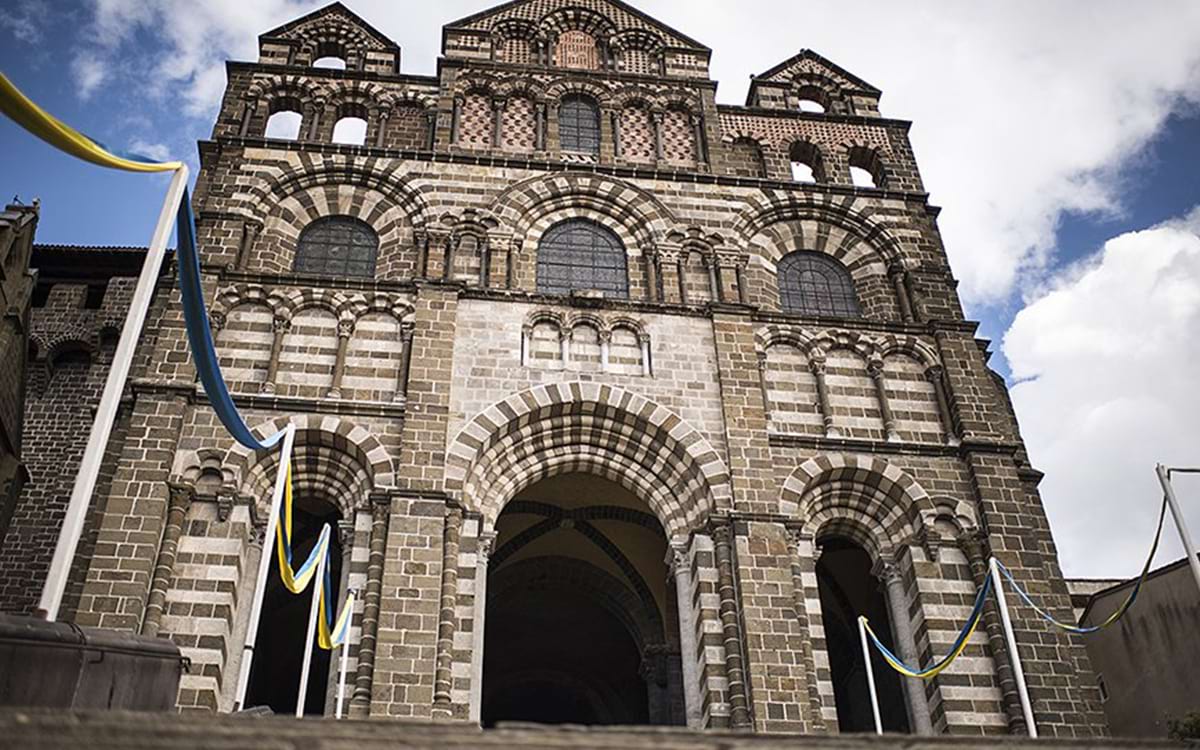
(337, 246)
(815, 284)
(806, 162)
(579, 255)
(579, 124)
(866, 168)
(284, 122)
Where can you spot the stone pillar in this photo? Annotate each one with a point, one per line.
(615, 119)
(605, 343)
(483, 552)
(656, 122)
(485, 263)
(762, 386)
(914, 690)
(816, 365)
(381, 127)
(448, 257)
(360, 703)
(443, 681)
(279, 326)
(497, 122)
(740, 275)
(540, 123)
(318, 108)
(564, 343)
(526, 342)
(679, 564)
(816, 722)
(647, 364)
(248, 111)
(345, 329)
(897, 274)
(701, 147)
(714, 279)
(731, 632)
(256, 531)
(649, 260)
(406, 333)
(934, 376)
(875, 370)
(681, 276)
(456, 119)
(179, 498)
(250, 230)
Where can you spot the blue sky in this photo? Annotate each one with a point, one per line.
(1043, 130)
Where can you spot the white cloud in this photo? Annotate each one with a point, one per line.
(1022, 110)
(1111, 365)
(24, 20)
(156, 151)
(89, 71)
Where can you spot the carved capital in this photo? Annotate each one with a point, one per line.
(345, 329)
(887, 572)
(225, 502)
(406, 333)
(875, 368)
(345, 532)
(216, 320)
(934, 373)
(281, 324)
(381, 506)
(485, 546)
(180, 494)
(816, 365)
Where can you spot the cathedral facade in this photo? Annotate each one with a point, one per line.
(625, 404)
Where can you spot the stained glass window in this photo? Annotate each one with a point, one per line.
(337, 246)
(815, 284)
(579, 125)
(581, 255)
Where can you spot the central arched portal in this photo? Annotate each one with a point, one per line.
(580, 625)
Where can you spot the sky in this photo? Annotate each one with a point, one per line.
(1061, 140)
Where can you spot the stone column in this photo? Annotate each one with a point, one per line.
(280, 326)
(497, 122)
(897, 273)
(615, 119)
(526, 342)
(406, 335)
(605, 343)
(816, 365)
(564, 343)
(248, 112)
(701, 147)
(250, 230)
(934, 376)
(975, 546)
(740, 275)
(483, 552)
(648, 262)
(656, 122)
(448, 257)
(178, 500)
(318, 108)
(647, 365)
(730, 628)
(381, 508)
(816, 722)
(443, 681)
(239, 631)
(762, 385)
(485, 263)
(381, 127)
(714, 281)
(680, 266)
(875, 370)
(539, 118)
(345, 329)
(914, 690)
(678, 562)
(456, 119)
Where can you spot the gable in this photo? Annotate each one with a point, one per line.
(808, 64)
(335, 19)
(607, 17)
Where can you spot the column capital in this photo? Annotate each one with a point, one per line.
(887, 572)
(485, 545)
(345, 328)
(933, 373)
(281, 324)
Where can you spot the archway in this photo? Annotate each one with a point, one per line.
(848, 588)
(279, 647)
(579, 625)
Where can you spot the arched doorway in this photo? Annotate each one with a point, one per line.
(848, 588)
(278, 649)
(579, 625)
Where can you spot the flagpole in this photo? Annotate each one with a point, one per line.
(341, 693)
(1018, 672)
(318, 584)
(862, 637)
(1189, 547)
(106, 412)
(264, 565)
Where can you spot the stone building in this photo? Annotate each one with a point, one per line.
(624, 403)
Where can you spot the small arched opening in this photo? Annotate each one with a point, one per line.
(806, 162)
(285, 120)
(282, 630)
(351, 126)
(848, 588)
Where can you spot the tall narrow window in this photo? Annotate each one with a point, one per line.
(579, 255)
(337, 246)
(815, 284)
(579, 124)
(285, 120)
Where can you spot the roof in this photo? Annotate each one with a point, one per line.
(335, 7)
(807, 54)
(1109, 591)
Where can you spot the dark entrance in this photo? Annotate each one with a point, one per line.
(278, 655)
(848, 589)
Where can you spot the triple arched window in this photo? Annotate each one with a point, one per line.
(337, 246)
(812, 283)
(579, 255)
(579, 124)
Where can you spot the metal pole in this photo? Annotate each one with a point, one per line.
(264, 566)
(341, 692)
(1189, 547)
(106, 412)
(317, 584)
(1018, 673)
(862, 636)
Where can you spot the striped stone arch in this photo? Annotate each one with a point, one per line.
(911, 346)
(295, 300)
(393, 304)
(777, 335)
(867, 499)
(592, 428)
(376, 190)
(770, 208)
(630, 96)
(332, 456)
(190, 464)
(638, 217)
(476, 83)
(576, 19)
(410, 97)
(566, 86)
(368, 94)
(268, 88)
(515, 87)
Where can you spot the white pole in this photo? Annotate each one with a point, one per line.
(341, 692)
(264, 566)
(106, 412)
(310, 633)
(1189, 547)
(862, 636)
(1018, 673)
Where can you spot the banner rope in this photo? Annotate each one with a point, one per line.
(1118, 613)
(26, 113)
(959, 645)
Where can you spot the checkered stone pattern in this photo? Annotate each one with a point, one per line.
(516, 50)
(407, 127)
(637, 135)
(634, 60)
(475, 122)
(678, 138)
(519, 125)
